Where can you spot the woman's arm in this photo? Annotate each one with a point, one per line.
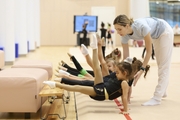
(148, 45)
(125, 51)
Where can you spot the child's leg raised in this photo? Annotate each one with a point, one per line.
(86, 55)
(105, 70)
(79, 67)
(96, 66)
(75, 88)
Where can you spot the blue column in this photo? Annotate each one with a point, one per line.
(1, 48)
(16, 50)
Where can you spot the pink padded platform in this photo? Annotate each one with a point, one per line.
(35, 64)
(19, 89)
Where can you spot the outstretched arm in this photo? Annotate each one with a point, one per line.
(125, 89)
(148, 46)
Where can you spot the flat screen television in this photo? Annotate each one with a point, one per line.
(80, 20)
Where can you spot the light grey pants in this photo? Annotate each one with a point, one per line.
(163, 47)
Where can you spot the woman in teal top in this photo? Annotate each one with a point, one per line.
(153, 31)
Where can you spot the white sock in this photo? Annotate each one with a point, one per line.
(84, 50)
(63, 72)
(151, 102)
(51, 84)
(94, 42)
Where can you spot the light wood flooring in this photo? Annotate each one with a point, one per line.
(87, 109)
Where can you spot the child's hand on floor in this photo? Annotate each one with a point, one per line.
(124, 113)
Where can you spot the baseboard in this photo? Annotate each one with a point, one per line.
(22, 55)
(9, 63)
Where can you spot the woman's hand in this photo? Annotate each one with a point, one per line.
(137, 76)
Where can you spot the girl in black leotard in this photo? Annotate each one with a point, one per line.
(110, 60)
(117, 86)
(135, 67)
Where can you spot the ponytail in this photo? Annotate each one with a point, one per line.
(146, 70)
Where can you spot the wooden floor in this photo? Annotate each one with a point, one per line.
(87, 109)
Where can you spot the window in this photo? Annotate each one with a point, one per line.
(166, 11)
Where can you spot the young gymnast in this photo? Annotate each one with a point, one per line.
(110, 60)
(70, 73)
(75, 74)
(110, 64)
(103, 90)
(79, 71)
(136, 64)
(65, 69)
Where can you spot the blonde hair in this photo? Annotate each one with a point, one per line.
(110, 60)
(123, 20)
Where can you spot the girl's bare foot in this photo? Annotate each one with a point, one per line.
(58, 79)
(69, 55)
(62, 68)
(60, 75)
(63, 63)
(57, 74)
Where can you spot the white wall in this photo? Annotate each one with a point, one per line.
(139, 8)
(37, 22)
(106, 15)
(21, 26)
(7, 29)
(19, 22)
(30, 24)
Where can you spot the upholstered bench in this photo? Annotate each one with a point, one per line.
(35, 64)
(19, 89)
(1, 59)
